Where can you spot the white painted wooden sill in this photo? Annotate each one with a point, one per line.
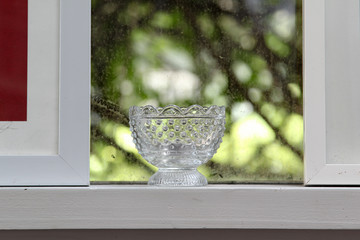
(214, 206)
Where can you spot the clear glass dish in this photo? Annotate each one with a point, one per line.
(177, 140)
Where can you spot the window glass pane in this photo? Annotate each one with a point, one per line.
(245, 55)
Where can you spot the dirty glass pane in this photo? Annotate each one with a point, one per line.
(245, 55)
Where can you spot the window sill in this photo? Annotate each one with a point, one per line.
(214, 206)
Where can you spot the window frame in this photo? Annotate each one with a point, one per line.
(213, 206)
(317, 170)
(70, 166)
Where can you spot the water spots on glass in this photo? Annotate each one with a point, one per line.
(245, 55)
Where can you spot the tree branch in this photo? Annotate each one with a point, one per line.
(234, 87)
(108, 110)
(96, 133)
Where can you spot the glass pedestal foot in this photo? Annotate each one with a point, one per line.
(177, 177)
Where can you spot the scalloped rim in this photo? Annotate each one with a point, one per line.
(212, 111)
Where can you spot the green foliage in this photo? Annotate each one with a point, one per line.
(233, 53)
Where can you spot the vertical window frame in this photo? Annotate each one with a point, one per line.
(317, 170)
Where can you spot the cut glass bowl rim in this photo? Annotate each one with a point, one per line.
(174, 111)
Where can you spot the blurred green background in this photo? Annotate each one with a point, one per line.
(245, 55)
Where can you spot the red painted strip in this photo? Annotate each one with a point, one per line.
(13, 60)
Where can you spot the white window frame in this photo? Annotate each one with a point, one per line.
(317, 169)
(214, 206)
(71, 165)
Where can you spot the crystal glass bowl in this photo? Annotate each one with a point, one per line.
(177, 140)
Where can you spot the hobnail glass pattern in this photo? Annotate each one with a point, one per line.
(177, 140)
